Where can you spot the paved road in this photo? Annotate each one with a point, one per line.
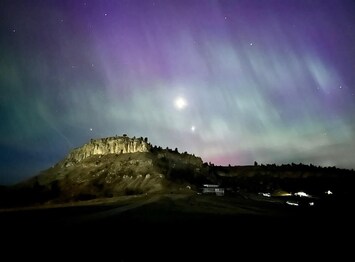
(113, 211)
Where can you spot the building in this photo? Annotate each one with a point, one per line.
(213, 189)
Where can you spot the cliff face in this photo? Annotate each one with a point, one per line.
(104, 146)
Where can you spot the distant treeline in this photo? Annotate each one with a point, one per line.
(291, 177)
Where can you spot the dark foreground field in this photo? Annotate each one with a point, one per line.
(137, 226)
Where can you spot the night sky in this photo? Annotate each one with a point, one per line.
(230, 81)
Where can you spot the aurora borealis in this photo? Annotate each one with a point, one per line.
(234, 82)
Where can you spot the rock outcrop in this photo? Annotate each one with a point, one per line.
(104, 146)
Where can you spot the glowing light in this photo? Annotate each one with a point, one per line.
(180, 103)
(281, 193)
(329, 192)
(265, 194)
(193, 128)
(291, 203)
(302, 194)
(311, 203)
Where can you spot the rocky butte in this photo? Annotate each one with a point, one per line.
(109, 145)
(110, 167)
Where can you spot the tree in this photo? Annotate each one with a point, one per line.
(255, 163)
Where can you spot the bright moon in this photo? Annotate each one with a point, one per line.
(180, 103)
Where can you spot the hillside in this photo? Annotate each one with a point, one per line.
(110, 167)
(291, 177)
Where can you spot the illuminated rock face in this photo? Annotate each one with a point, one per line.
(104, 146)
